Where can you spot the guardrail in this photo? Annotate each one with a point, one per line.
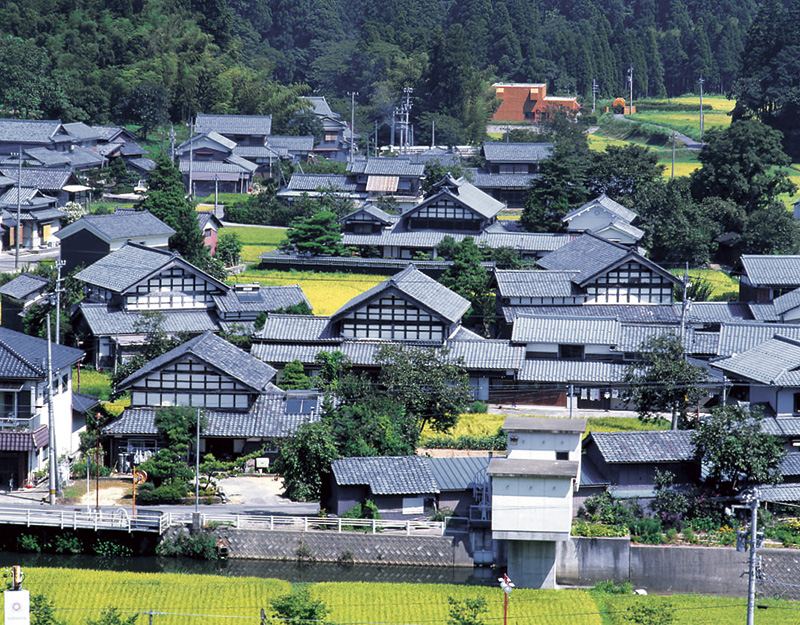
(108, 519)
(275, 523)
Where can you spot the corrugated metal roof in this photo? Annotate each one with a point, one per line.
(455, 474)
(386, 475)
(566, 330)
(465, 193)
(645, 447)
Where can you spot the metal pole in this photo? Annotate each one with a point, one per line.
(673, 155)
(18, 226)
(59, 265)
(505, 608)
(701, 81)
(751, 584)
(571, 395)
(630, 111)
(51, 418)
(97, 462)
(352, 95)
(191, 134)
(724, 392)
(197, 467)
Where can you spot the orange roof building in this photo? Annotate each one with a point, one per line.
(529, 102)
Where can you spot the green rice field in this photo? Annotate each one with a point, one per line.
(257, 240)
(78, 595)
(720, 281)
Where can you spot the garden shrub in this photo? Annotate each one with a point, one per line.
(485, 443)
(174, 492)
(603, 508)
(29, 542)
(646, 530)
(598, 530)
(67, 543)
(610, 587)
(441, 514)
(200, 546)
(79, 470)
(478, 407)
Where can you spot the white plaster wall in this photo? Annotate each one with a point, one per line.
(544, 445)
(531, 504)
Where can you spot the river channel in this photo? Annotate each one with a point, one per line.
(289, 571)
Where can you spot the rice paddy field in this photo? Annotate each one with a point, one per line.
(257, 240)
(174, 598)
(327, 292)
(720, 281)
(478, 425)
(688, 122)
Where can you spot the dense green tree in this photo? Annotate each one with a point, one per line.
(305, 460)
(318, 234)
(375, 426)
(299, 607)
(743, 163)
(433, 388)
(229, 248)
(620, 171)
(471, 281)
(147, 106)
(293, 377)
(663, 380)
(435, 171)
(737, 451)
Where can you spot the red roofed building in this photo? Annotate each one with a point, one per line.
(528, 102)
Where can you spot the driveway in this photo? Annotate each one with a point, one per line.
(26, 258)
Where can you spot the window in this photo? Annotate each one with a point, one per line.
(570, 352)
(330, 137)
(562, 455)
(797, 402)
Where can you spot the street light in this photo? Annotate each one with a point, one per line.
(507, 585)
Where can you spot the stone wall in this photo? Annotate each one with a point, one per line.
(348, 547)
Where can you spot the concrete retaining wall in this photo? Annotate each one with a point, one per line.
(348, 547)
(708, 570)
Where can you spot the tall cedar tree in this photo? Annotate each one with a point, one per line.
(471, 281)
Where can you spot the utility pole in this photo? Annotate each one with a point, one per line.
(433, 133)
(197, 465)
(595, 89)
(352, 95)
(405, 110)
(18, 225)
(751, 582)
(171, 136)
(673, 155)
(52, 455)
(630, 78)
(701, 81)
(684, 307)
(191, 154)
(59, 265)
(376, 137)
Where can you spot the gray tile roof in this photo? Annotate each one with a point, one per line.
(605, 202)
(764, 312)
(775, 362)
(28, 198)
(312, 182)
(144, 164)
(567, 330)
(292, 144)
(47, 157)
(234, 124)
(790, 465)
(107, 133)
(787, 427)
(621, 226)
(119, 226)
(445, 157)
(28, 130)
(780, 492)
(218, 353)
(105, 320)
(466, 193)
(452, 474)
(24, 285)
(235, 159)
(296, 329)
(84, 158)
(787, 302)
(373, 211)
(129, 148)
(420, 288)
(645, 447)
(769, 270)
(44, 179)
(486, 354)
(260, 151)
(518, 283)
(24, 356)
(632, 336)
(524, 241)
(213, 167)
(626, 313)
(264, 298)
(378, 166)
(487, 180)
(714, 312)
(592, 255)
(736, 338)
(127, 266)
(81, 131)
(387, 475)
(266, 419)
(501, 152)
(567, 371)
(319, 105)
(83, 402)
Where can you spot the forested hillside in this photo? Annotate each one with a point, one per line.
(139, 60)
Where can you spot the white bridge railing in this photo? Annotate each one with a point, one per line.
(157, 521)
(313, 524)
(104, 519)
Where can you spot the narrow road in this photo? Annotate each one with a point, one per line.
(688, 142)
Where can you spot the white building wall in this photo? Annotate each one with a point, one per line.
(531, 504)
(544, 445)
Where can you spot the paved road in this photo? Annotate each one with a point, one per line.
(7, 259)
